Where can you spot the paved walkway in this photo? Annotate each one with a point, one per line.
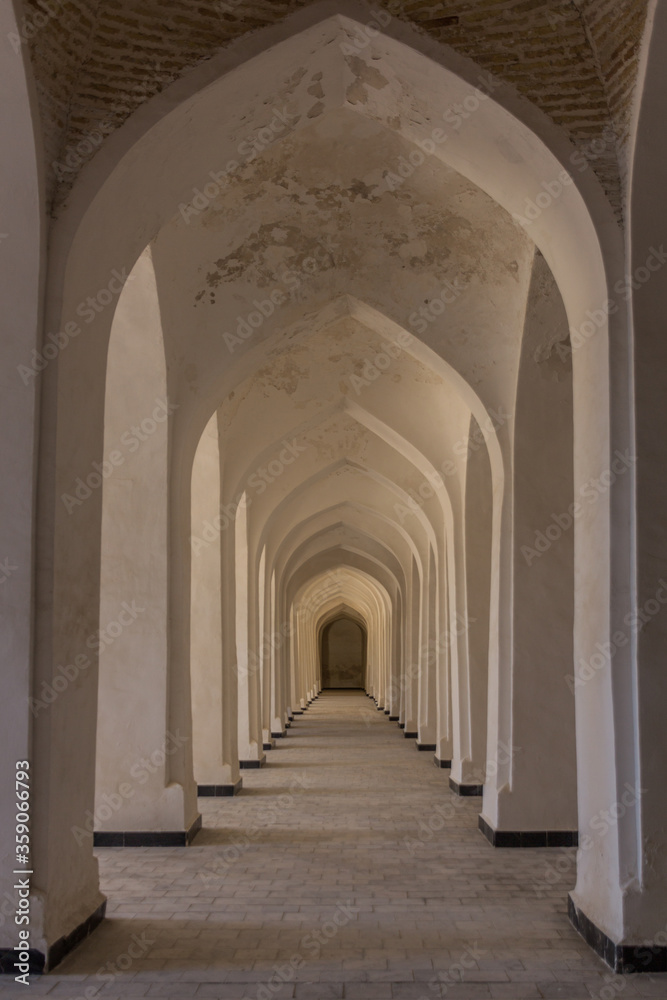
(347, 865)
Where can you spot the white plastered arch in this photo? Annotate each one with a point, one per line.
(580, 228)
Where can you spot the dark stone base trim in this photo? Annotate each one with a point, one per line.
(148, 838)
(429, 747)
(393, 718)
(219, 791)
(36, 962)
(269, 746)
(441, 763)
(401, 725)
(465, 790)
(528, 838)
(386, 711)
(299, 712)
(64, 945)
(623, 959)
(252, 765)
(410, 736)
(59, 949)
(278, 736)
(380, 708)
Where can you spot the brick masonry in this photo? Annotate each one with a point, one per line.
(96, 62)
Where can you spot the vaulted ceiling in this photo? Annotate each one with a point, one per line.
(95, 62)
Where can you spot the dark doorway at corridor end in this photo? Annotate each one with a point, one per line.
(343, 654)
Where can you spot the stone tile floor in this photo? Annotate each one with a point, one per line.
(345, 869)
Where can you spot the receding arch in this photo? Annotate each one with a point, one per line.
(580, 228)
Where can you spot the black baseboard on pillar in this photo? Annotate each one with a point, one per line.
(9, 957)
(465, 790)
(252, 765)
(64, 945)
(410, 736)
(623, 959)
(380, 708)
(401, 725)
(147, 838)
(219, 791)
(297, 712)
(528, 838)
(393, 718)
(38, 962)
(441, 763)
(386, 711)
(429, 747)
(278, 736)
(269, 746)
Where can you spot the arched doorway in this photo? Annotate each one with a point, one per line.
(343, 654)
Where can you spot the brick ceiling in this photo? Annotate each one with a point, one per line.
(96, 61)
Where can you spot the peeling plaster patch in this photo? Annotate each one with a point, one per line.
(316, 89)
(555, 360)
(293, 81)
(313, 378)
(310, 199)
(362, 190)
(356, 93)
(284, 374)
(368, 75)
(365, 76)
(261, 259)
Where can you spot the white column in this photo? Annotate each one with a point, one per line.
(251, 751)
(540, 796)
(135, 745)
(215, 752)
